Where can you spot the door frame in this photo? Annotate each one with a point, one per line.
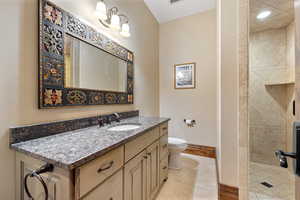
(297, 76)
(243, 139)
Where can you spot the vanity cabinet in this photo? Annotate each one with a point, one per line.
(135, 178)
(163, 170)
(163, 146)
(142, 175)
(135, 170)
(111, 189)
(135, 146)
(152, 159)
(98, 170)
(59, 182)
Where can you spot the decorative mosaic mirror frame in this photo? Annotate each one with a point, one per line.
(54, 24)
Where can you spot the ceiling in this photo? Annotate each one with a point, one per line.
(164, 11)
(281, 16)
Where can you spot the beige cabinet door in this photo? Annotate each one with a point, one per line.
(135, 174)
(152, 160)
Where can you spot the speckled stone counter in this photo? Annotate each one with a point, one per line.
(73, 149)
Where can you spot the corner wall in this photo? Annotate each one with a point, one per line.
(185, 40)
(228, 87)
(18, 61)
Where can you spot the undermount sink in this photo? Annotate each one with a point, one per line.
(124, 127)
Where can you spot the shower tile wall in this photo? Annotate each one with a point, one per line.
(269, 106)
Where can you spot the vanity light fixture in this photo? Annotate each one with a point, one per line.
(101, 10)
(110, 18)
(263, 14)
(125, 30)
(115, 22)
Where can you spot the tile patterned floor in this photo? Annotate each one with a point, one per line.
(197, 180)
(281, 179)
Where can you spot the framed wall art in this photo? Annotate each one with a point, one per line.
(185, 76)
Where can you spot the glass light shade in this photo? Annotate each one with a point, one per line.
(125, 30)
(101, 11)
(115, 22)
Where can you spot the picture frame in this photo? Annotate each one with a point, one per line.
(55, 24)
(185, 76)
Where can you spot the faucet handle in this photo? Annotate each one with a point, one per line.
(101, 121)
(117, 117)
(282, 156)
(108, 119)
(282, 159)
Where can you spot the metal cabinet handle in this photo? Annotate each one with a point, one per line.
(106, 168)
(165, 167)
(164, 128)
(165, 146)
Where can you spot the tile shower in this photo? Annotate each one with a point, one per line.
(271, 95)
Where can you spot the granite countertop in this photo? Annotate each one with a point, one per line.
(73, 149)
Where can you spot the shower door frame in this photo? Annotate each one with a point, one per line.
(244, 12)
(297, 76)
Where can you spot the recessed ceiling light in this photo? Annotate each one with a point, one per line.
(174, 1)
(263, 14)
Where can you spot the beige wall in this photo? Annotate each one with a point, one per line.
(290, 29)
(185, 40)
(243, 155)
(18, 61)
(270, 107)
(228, 91)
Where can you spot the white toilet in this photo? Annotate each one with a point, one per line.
(176, 146)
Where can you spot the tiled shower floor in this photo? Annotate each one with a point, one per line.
(281, 179)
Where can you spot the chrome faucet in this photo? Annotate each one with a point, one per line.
(117, 117)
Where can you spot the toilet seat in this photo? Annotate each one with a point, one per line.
(177, 142)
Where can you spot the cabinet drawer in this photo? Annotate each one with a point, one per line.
(163, 129)
(163, 170)
(95, 172)
(163, 146)
(136, 146)
(111, 189)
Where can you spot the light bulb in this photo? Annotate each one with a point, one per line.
(263, 14)
(101, 11)
(115, 22)
(125, 30)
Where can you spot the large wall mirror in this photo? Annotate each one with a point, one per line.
(89, 67)
(78, 65)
